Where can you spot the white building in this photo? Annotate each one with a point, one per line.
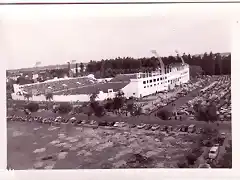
(132, 85)
(145, 84)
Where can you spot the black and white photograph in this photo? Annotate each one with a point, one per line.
(118, 87)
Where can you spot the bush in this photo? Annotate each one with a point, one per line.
(32, 107)
(65, 108)
(191, 158)
(78, 109)
(163, 114)
(99, 111)
(182, 164)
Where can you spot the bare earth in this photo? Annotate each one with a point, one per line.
(40, 146)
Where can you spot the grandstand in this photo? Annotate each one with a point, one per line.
(57, 85)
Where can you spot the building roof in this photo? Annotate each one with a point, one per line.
(96, 88)
(123, 77)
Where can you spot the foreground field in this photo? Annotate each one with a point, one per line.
(35, 146)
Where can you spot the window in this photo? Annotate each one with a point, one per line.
(133, 93)
(150, 81)
(144, 86)
(150, 85)
(147, 81)
(168, 80)
(165, 77)
(154, 80)
(158, 83)
(144, 82)
(154, 84)
(147, 86)
(157, 79)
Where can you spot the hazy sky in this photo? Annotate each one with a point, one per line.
(57, 34)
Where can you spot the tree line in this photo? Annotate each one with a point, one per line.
(211, 64)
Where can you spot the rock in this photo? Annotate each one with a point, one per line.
(38, 165)
(54, 142)
(73, 148)
(39, 150)
(47, 158)
(119, 164)
(62, 155)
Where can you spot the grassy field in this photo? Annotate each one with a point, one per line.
(32, 145)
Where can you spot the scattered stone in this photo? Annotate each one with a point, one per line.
(73, 148)
(53, 128)
(160, 165)
(38, 165)
(88, 154)
(151, 153)
(110, 159)
(47, 157)
(39, 150)
(49, 166)
(17, 133)
(54, 142)
(119, 164)
(73, 140)
(62, 155)
(66, 145)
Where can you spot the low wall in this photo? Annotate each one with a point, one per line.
(66, 98)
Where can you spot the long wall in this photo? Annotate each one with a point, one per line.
(66, 98)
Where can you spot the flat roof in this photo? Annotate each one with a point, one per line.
(96, 88)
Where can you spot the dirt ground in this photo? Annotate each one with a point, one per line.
(40, 146)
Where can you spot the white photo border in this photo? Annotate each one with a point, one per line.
(230, 11)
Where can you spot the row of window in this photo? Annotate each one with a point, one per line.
(154, 85)
(153, 80)
(159, 79)
(169, 81)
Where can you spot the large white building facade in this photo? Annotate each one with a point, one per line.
(149, 83)
(132, 85)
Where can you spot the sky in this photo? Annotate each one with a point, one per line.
(58, 34)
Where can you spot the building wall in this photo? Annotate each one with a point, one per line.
(67, 98)
(148, 84)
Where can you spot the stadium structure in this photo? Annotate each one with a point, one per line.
(136, 85)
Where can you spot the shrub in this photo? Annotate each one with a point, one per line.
(163, 114)
(65, 108)
(99, 111)
(49, 96)
(78, 109)
(182, 164)
(32, 107)
(191, 158)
